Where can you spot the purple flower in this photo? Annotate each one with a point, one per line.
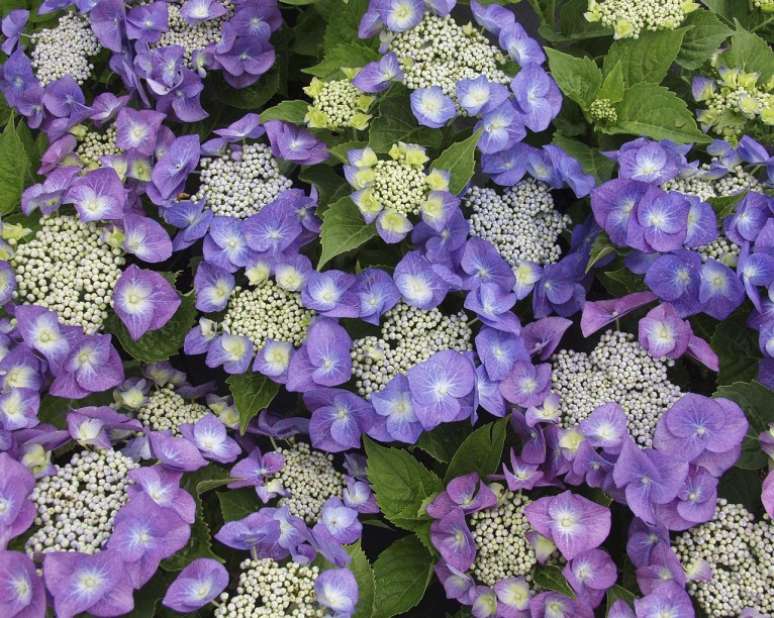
(163, 487)
(13, 25)
(521, 475)
(96, 583)
(259, 529)
(210, 437)
(89, 426)
(438, 384)
(613, 205)
(213, 287)
(19, 409)
(275, 227)
(648, 161)
(542, 337)
(40, 330)
(720, 291)
(22, 594)
(482, 262)
(675, 278)
(197, 11)
(146, 239)
(376, 294)
(431, 107)
(662, 222)
(605, 427)
(172, 169)
(395, 415)
(144, 300)
(501, 128)
(527, 385)
(18, 512)
(233, 352)
(695, 503)
(338, 420)
(767, 496)
(376, 76)
(453, 540)
(492, 17)
(137, 130)
(418, 283)
(555, 605)
(663, 334)
(649, 478)
(670, 601)
(467, 492)
(478, 94)
(295, 144)
(147, 22)
(702, 223)
(323, 360)
(538, 97)
(590, 574)
(250, 471)
(330, 294)
(64, 99)
(399, 15)
(337, 590)
(99, 195)
(600, 313)
(176, 454)
(520, 47)
(340, 521)
(572, 522)
(696, 424)
(197, 585)
(499, 351)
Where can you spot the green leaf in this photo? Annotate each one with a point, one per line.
(289, 111)
(600, 249)
(742, 487)
(726, 205)
(647, 58)
(238, 503)
(252, 393)
(339, 151)
(591, 160)
(330, 186)
(350, 55)
(578, 78)
(737, 348)
(253, 97)
(614, 86)
(400, 482)
(395, 123)
(157, 345)
(704, 37)
(402, 573)
(750, 53)
(621, 281)
(459, 160)
(619, 593)
(148, 597)
(343, 21)
(442, 442)
(342, 230)
(656, 112)
(757, 401)
(551, 578)
(364, 576)
(15, 168)
(480, 452)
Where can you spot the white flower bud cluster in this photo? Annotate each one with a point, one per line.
(440, 52)
(165, 410)
(619, 370)
(267, 312)
(310, 479)
(502, 548)
(337, 104)
(269, 589)
(399, 186)
(740, 553)
(241, 181)
(68, 268)
(192, 38)
(722, 250)
(521, 223)
(76, 507)
(733, 106)
(65, 49)
(96, 144)
(409, 336)
(629, 19)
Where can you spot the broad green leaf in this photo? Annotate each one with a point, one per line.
(342, 230)
(289, 111)
(330, 185)
(343, 21)
(737, 348)
(402, 573)
(578, 78)
(591, 160)
(551, 578)
(442, 442)
(726, 205)
(252, 393)
(480, 452)
(653, 111)
(400, 482)
(238, 503)
(157, 345)
(459, 160)
(395, 123)
(149, 596)
(742, 487)
(647, 58)
(706, 33)
(750, 53)
(600, 249)
(614, 85)
(364, 576)
(253, 97)
(15, 168)
(344, 54)
(621, 281)
(757, 401)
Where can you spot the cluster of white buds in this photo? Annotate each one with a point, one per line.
(440, 52)
(165, 410)
(399, 185)
(739, 552)
(502, 548)
(68, 268)
(628, 19)
(268, 589)
(603, 111)
(76, 506)
(618, 370)
(309, 478)
(93, 145)
(267, 312)
(65, 49)
(521, 222)
(409, 336)
(337, 104)
(192, 37)
(240, 181)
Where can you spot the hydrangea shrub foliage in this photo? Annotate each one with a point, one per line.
(375, 308)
